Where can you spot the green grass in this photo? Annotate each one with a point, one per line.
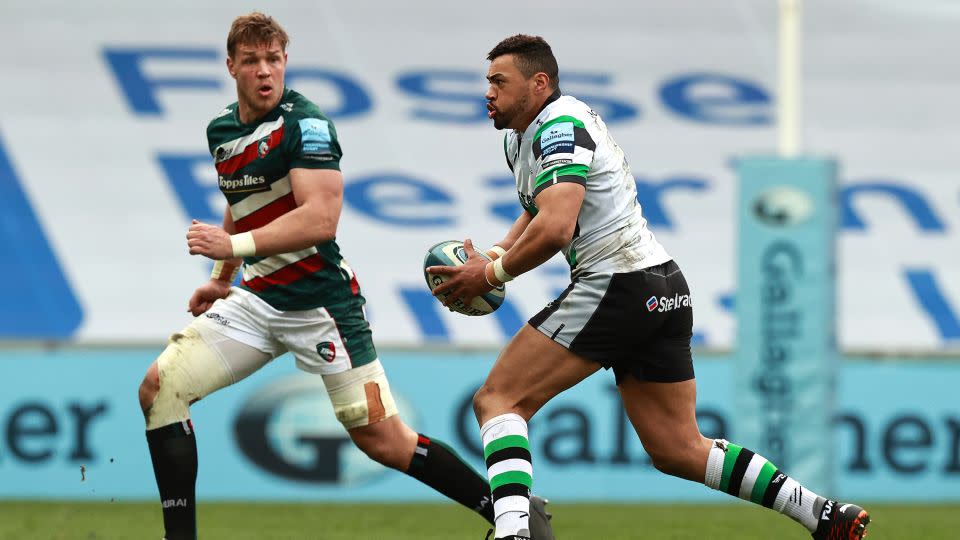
(136, 521)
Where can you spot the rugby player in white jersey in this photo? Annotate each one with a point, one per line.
(628, 307)
(277, 158)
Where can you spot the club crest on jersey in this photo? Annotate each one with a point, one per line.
(327, 351)
(264, 147)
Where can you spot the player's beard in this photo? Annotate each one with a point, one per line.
(503, 118)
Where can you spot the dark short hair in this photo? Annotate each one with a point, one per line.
(531, 54)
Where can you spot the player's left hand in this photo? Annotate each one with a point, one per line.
(466, 281)
(209, 240)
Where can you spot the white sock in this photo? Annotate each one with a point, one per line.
(792, 499)
(506, 449)
(799, 503)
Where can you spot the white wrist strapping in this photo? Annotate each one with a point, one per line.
(243, 244)
(498, 271)
(217, 272)
(487, 278)
(498, 250)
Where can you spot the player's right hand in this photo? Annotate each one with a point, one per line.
(206, 295)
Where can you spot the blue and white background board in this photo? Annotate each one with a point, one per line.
(273, 437)
(786, 351)
(103, 134)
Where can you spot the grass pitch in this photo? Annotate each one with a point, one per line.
(235, 521)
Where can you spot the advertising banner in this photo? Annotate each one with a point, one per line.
(71, 428)
(786, 351)
(104, 160)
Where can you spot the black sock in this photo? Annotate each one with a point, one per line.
(438, 466)
(173, 450)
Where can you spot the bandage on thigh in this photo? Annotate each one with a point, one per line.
(361, 396)
(195, 364)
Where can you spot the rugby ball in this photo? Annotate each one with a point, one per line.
(452, 253)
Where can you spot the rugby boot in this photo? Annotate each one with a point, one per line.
(841, 521)
(540, 528)
(522, 534)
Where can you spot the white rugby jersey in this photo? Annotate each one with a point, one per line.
(569, 142)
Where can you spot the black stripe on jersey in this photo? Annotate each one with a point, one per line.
(506, 153)
(770, 495)
(511, 452)
(581, 138)
(739, 468)
(560, 179)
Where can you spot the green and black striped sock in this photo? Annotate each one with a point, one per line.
(742, 473)
(506, 449)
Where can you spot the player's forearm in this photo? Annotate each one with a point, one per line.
(541, 239)
(307, 225)
(515, 231)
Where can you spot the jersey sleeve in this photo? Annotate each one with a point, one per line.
(313, 143)
(564, 152)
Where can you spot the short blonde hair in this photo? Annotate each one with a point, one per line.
(255, 29)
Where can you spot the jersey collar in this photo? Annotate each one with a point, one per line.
(535, 125)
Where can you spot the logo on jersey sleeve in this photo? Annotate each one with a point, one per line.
(557, 139)
(315, 138)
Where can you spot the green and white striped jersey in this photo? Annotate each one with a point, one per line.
(253, 163)
(569, 142)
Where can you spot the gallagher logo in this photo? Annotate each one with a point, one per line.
(783, 206)
(652, 303)
(287, 428)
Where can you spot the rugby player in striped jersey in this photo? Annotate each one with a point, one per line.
(277, 159)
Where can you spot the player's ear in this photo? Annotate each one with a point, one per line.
(541, 82)
(230, 67)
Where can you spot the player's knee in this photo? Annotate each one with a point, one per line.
(383, 450)
(666, 462)
(149, 388)
(361, 396)
(187, 370)
(490, 401)
(481, 401)
(676, 457)
(389, 443)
